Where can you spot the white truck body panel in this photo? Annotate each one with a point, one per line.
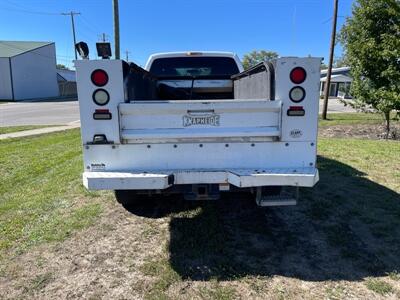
(244, 142)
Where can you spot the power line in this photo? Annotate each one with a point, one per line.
(24, 10)
(91, 27)
(329, 19)
(72, 14)
(103, 37)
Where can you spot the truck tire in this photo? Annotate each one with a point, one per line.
(126, 198)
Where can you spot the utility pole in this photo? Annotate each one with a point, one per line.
(72, 13)
(116, 29)
(332, 50)
(103, 37)
(127, 55)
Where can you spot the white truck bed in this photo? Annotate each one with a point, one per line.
(153, 144)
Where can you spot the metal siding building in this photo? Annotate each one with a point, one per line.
(27, 70)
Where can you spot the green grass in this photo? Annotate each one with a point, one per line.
(218, 292)
(379, 286)
(10, 129)
(41, 195)
(353, 119)
(354, 211)
(40, 281)
(394, 275)
(378, 160)
(352, 217)
(165, 277)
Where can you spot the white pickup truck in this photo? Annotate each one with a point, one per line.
(196, 123)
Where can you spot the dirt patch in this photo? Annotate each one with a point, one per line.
(101, 262)
(340, 242)
(360, 131)
(226, 250)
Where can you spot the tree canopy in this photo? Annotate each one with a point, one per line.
(62, 67)
(371, 40)
(254, 57)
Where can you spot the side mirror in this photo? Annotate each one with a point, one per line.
(83, 50)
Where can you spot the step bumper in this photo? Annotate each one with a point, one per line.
(159, 180)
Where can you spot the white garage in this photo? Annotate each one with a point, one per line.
(27, 70)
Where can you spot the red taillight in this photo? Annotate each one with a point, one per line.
(99, 77)
(298, 75)
(296, 111)
(291, 108)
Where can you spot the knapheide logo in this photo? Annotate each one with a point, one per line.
(296, 133)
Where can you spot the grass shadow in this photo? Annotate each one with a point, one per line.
(160, 206)
(346, 228)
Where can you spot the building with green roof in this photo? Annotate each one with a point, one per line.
(27, 70)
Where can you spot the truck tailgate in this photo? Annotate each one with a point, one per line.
(200, 121)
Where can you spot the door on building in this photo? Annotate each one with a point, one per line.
(333, 89)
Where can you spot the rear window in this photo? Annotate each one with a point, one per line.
(194, 67)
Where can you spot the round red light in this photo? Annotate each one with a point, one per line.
(298, 75)
(99, 77)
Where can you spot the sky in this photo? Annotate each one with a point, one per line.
(289, 27)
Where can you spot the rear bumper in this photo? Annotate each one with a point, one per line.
(159, 180)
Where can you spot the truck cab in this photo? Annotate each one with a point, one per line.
(195, 75)
(196, 123)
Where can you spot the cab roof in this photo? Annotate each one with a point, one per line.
(192, 53)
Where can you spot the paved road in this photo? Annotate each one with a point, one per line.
(62, 113)
(335, 106)
(38, 113)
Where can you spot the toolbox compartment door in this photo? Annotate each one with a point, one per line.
(200, 121)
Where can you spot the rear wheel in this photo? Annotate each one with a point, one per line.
(131, 198)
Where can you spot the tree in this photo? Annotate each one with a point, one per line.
(255, 57)
(371, 40)
(339, 62)
(62, 67)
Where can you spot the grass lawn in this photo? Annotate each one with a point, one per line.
(41, 196)
(352, 118)
(10, 129)
(341, 241)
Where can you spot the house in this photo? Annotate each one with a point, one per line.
(340, 82)
(66, 82)
(27, 70)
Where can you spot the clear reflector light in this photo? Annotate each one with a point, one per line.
(297, 94)
(101, 97)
